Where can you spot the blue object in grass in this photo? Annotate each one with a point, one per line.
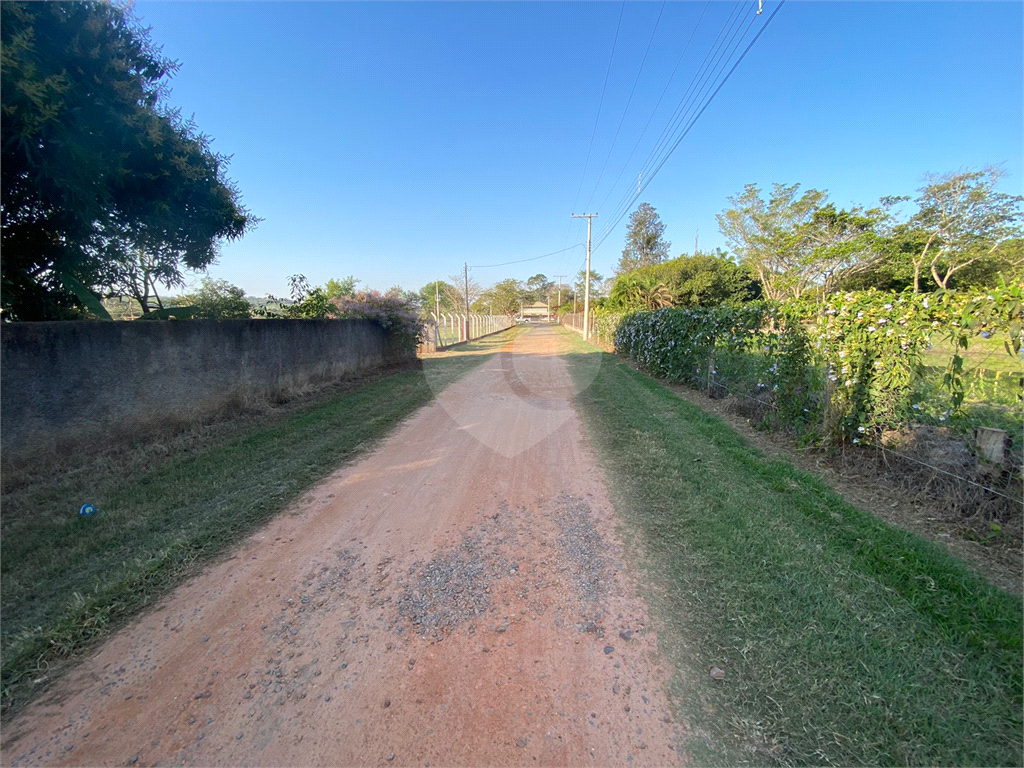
(87, 509)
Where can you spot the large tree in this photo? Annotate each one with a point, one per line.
(93, 161)
(438, 296)
(504, 298)
(645, 241)
(218, 300)
(795, 243)
(964, 220)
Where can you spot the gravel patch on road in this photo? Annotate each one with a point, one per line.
(587, 564)
(455, 586)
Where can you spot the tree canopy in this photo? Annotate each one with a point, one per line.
(218, 300)
(505, 297)
(701, 280)
(963, 220)
(796, 243)
(95, 169)
(645, 241)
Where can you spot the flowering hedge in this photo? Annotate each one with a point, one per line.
(849, 363)
(394, 313)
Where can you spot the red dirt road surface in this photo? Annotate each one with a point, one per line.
(457, 598)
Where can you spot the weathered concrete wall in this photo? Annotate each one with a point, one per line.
(76, 378)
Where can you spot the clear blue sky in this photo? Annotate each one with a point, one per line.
(396, 141)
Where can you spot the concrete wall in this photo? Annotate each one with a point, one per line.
(65, 378)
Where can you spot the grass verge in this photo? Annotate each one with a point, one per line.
(69, 580)
(844, 640)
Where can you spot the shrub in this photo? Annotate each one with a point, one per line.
(849, 363)
(396, 314)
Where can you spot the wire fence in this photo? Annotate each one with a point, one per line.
(447, 329)
(599, 335)
(979, 446)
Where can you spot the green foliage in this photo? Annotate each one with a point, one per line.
(335, 289)
(537, 288)
(797, 244)
(702, 280)
(965, 220)
(506, 297)
(633, 291)
(597, 285)
(93, 164)
(214, 300)
(307, 303)
(645, 242)
(850, 363)
(439, 296)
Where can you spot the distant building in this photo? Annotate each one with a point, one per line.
(537, 310)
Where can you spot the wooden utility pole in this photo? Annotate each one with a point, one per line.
(465, 266)
(559, 289)
(586, 291)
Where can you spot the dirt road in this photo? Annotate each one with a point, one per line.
(457, 598)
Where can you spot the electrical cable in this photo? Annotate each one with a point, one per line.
(655, 110)
(697, 116)
(711, 62)
(628, 102)
(523, 261)
(715, 56)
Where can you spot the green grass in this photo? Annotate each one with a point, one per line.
(989, 354)
(992, 389)
(845, 641)
(68, 581)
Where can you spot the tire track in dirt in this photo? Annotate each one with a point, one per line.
(457, 598)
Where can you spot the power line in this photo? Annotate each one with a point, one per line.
(660, 99)
(597, 119)
(628, 102)
(718, 50)
(523, 261)
(712, 59)
(697, 116)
